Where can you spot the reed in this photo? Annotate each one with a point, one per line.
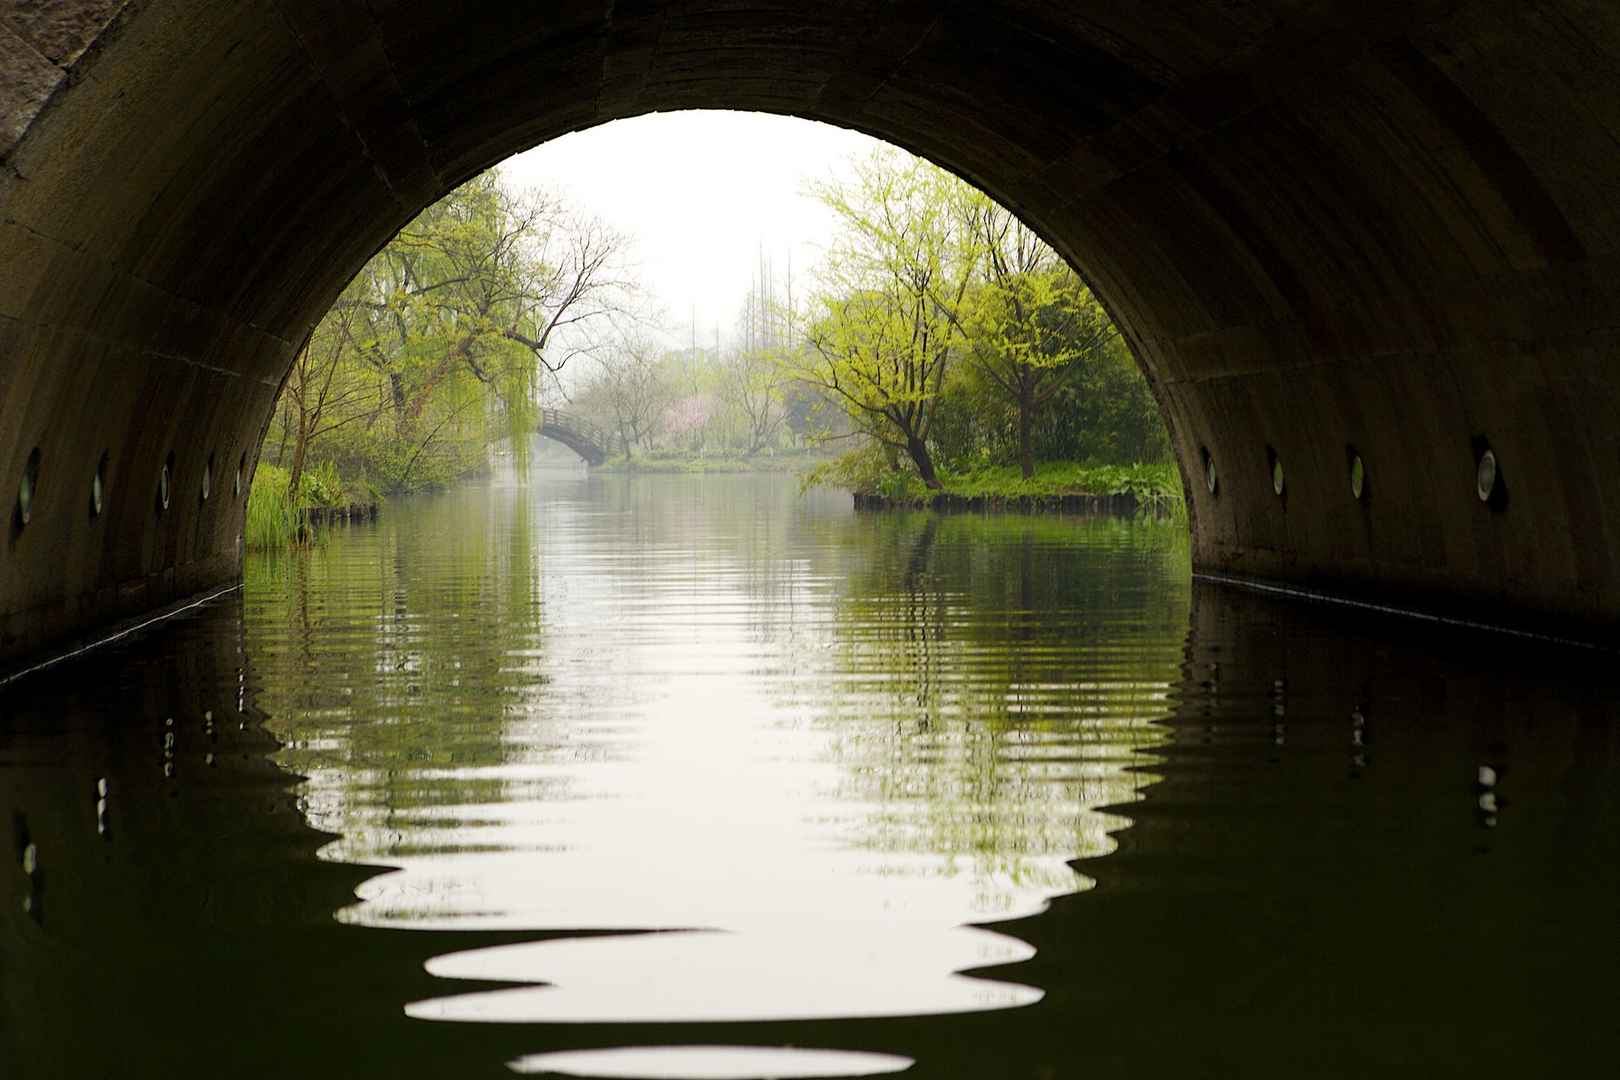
(272, 516)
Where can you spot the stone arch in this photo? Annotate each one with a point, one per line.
(1321, 226)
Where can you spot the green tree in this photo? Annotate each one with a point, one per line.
(446, 335)
(484, 281)
(1028, 317)
(322, 392)
(884, 318)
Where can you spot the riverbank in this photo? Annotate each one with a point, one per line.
(1123, 503)
(311, 516)
(278, 517)
(1064, 487)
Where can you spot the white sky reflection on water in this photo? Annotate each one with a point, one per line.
(712, 1063)
(714, 753)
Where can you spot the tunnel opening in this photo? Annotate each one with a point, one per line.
(1317, 227)
(789, 291)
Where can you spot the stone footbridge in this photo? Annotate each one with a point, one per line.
(577, 433)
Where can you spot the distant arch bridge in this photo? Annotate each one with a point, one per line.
(575, 432)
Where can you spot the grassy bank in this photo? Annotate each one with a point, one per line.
(1057, 484)
(1149, 483)
(276, 516)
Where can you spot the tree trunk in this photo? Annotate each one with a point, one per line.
(925, 464)
(297, 470)
(286, 424)
(396, 390)
(1026, 455)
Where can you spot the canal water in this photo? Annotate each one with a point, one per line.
(702, 777)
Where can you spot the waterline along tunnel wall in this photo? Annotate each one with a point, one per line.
(1361, 236)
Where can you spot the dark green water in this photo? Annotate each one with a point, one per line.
(695, 777)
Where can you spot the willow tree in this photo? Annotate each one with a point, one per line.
(486, 285)
(439, 345)
(1028, 317)
(884, 318)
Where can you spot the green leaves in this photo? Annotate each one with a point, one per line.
(884, 318)
(944, 325)
(438, 347)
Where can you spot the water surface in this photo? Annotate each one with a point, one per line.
(694, 776)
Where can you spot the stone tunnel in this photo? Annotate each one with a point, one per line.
(1369, 237)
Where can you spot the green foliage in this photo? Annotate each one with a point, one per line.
(1100, 410)
(437, 348)
(860, 470)
(885, 316)
(952, 334)
(870, 470)
(939, 327)
(1027, 318)
(1150, 483)
(273, 512)
(272, 517)
(321, 486)
(1156, 486)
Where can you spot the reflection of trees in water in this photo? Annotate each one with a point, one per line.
(1000, 687)
(392, 659)
(984, 681)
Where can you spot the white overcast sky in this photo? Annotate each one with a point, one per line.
(699, 193)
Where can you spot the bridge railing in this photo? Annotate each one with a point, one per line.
(576, 428)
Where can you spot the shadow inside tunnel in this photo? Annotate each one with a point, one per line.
(1366, 845)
